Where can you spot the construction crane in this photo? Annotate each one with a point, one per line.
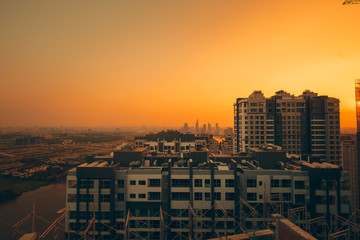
(347, 2)
(63, 213)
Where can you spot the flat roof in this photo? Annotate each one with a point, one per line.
(321, 165)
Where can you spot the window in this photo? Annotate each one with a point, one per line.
(105, 184)
(229, 196)
(132, 223)
(120, 197)
(86, 184)
(132, 182)
(121, 183)
(198, 182)
(180, 182)
(104, 197)
(299, 198)
(73, 226)
(275, 183)
(154, 182)
(207, 182)
(180, 196)
(217, 183)
(198, 196)
(86, 197)
(320, 199)
(230, 225)
(132, 195)
(119, 214)
(143, 212)
(105, 215)
(286, 183)
(142, 182)
(154, 195)
(251, 197)
(299, 184)
(251, 183)
(155, 224)
(217, 196)
(82, 183)
(207, 196)
(287, 196)
(71, 198)
(72, 183)
(142, 195)
(260, 183)
(229, 182)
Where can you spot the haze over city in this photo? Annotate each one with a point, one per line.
(169, 62)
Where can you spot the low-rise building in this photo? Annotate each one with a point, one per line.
(198, 195)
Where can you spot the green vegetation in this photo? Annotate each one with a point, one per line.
(12, 187)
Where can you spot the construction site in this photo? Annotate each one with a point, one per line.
(272, 223)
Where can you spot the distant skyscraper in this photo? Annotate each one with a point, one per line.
(203, 128)
(305, 124)
(197, 126)
(228, 132)
(186, 127)
(209, 128)
(217, 129)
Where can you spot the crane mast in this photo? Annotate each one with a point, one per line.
(347, 2)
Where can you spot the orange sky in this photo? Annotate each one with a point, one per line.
(113, 62)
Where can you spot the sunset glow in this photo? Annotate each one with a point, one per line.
(112, 63)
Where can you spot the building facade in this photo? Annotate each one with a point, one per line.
(252, 125)
(198, 199)
(349, 163)
(304, 125)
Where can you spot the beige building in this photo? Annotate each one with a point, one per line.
(304, 125)
(252, 125)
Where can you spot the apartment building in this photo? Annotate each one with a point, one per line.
(174, 142)
(167, 142)
(303, 125)
(323, 126)
(201, 198)
(289, 113)
(252, 125)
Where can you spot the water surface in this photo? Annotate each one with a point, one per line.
(48, 200)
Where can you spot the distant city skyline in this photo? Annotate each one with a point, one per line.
(121, 63)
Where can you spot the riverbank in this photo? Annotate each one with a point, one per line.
(11, 187)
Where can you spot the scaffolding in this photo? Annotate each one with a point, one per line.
(199, 221)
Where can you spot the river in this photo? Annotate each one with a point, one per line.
(48, 200)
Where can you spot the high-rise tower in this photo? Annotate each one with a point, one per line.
(349, 164)
(197, 127)
(357, 96)
(252, 125)
(307, 124)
